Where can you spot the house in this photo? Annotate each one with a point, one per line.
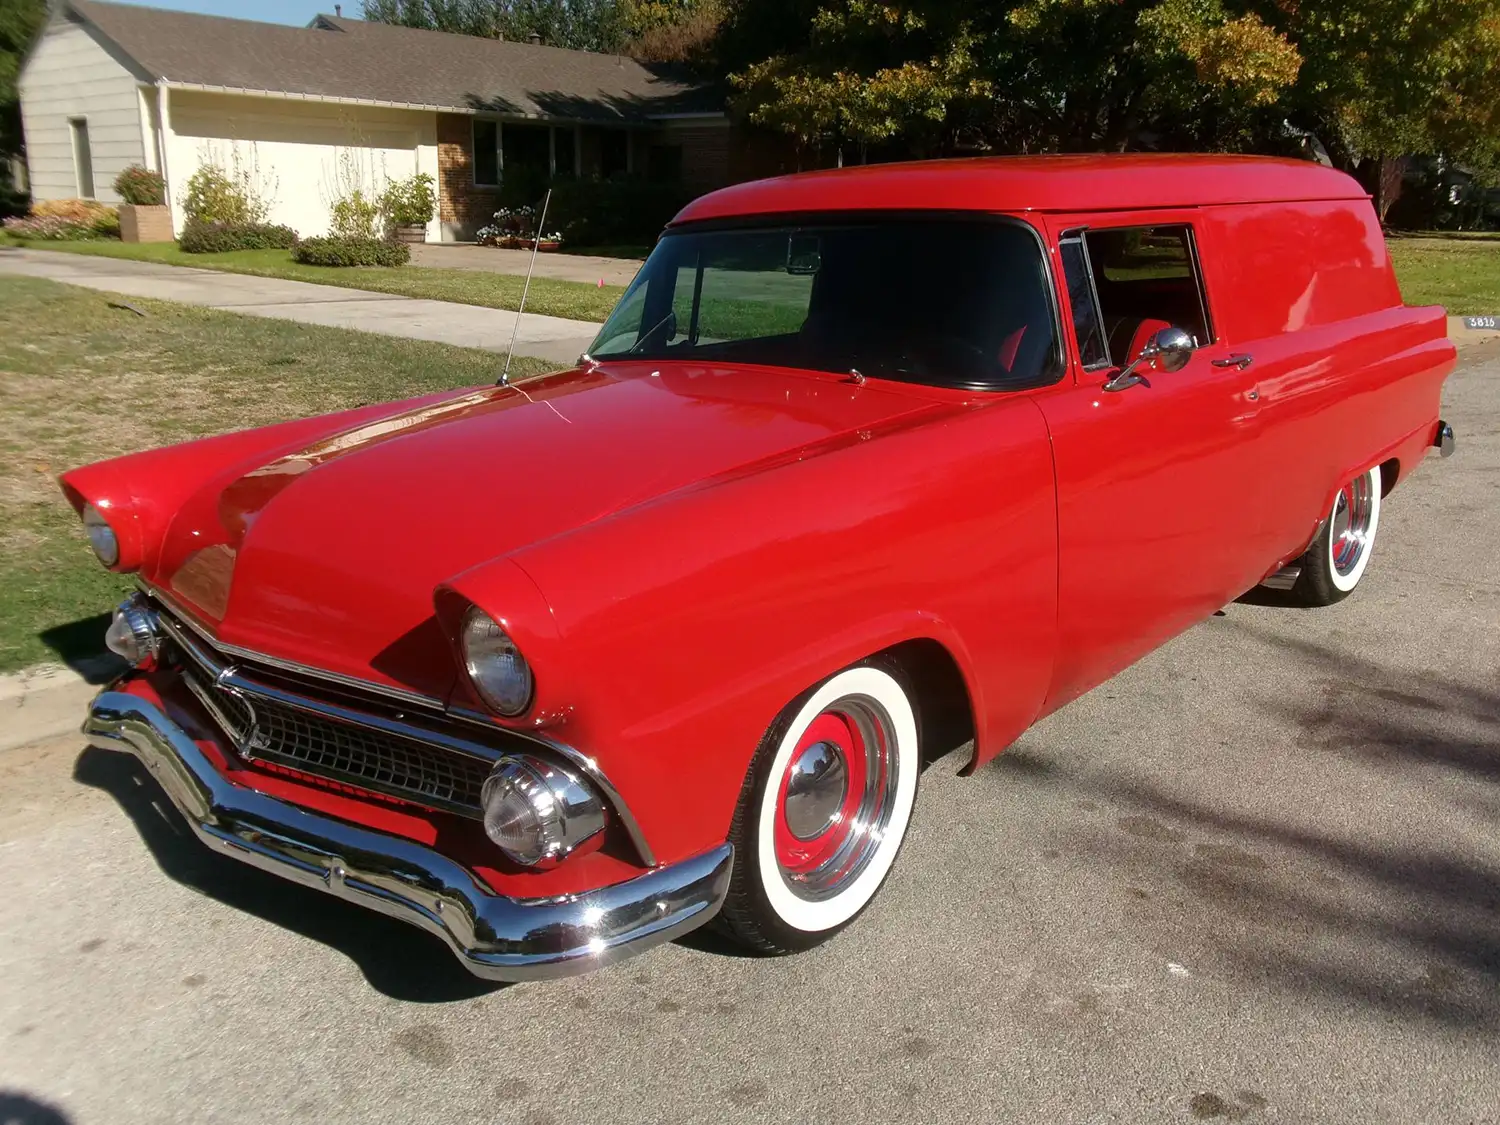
(308, 112)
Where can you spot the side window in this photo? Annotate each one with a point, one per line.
(1087, 327)
(1143, 279)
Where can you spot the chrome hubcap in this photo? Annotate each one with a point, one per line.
(837, 795)
(816, 783)
(1350, 531)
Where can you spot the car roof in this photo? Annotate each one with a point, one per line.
(1122, 182)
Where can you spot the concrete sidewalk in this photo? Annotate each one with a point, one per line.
(471, 326)
(587, 268)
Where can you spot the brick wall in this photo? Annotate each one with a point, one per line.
(462, 207)
(705, 155)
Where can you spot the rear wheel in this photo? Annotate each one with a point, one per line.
(824, 810)
(1336, 561)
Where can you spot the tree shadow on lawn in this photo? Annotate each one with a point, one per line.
(1403, 918)
(398, 959)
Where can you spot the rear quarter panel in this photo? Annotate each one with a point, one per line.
(683, 627)
(1347, 376)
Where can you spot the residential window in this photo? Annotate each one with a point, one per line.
(83, 157)
(526, 162)
(1145, 279)
(486, 152)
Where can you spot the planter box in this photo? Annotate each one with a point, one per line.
(415, 232)
(145, 224)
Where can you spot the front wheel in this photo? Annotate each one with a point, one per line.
(824, 810)
(1337, 559)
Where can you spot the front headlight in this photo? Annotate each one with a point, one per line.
(496, 667)
(101, 536)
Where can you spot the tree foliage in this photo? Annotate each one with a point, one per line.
(584, 25)
(1366, 77)
(20, 21)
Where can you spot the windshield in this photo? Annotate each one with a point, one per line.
(946, 301)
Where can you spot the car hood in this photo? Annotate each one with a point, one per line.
(327, 555)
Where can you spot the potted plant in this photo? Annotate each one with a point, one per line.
(408, 206)
(144, 216)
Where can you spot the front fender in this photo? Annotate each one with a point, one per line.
(682, 627)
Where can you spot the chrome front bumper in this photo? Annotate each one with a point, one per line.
(495, 937)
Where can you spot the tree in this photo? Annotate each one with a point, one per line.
(20, 21)
(584, 25)
(1387, 78)
(1025, 75)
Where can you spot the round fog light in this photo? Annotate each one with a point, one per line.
(133, 633)
(537, 812)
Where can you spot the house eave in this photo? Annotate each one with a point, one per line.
(421, 107)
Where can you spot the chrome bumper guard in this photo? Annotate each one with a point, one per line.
(495, 937)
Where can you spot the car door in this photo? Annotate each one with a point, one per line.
(1148, 476)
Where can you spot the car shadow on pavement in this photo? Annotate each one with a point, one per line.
(398, 959)
(1390, 901)
(19, 1109)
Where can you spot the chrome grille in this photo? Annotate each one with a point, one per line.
(263, 728)
(345, 752)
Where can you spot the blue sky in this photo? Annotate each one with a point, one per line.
(272, 11)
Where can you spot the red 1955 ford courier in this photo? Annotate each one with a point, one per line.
(564, 670)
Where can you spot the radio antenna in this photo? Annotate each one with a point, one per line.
(516, 327)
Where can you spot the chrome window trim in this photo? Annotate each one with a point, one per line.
(233, 678)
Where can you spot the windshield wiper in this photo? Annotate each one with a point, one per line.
(641, 343)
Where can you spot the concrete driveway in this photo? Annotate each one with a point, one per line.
(1255, 878)
(547, 337)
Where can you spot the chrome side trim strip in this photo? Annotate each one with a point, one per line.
(235, 679)
(493, 936)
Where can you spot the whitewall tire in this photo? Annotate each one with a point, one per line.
(824, 810)
(1336, 561)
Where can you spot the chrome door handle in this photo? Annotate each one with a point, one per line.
(1239, 359)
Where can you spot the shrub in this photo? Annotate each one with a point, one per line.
(355, 215)
(141, 187)
(409, 202)
(593, 212)
(215, 196)
(199, 237)
(67, 220)
(340, 251)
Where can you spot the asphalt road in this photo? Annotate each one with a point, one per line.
(1254, 878)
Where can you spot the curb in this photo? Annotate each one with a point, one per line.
(48, 701)
(1461, 333)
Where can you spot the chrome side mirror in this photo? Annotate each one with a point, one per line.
(1169, 349)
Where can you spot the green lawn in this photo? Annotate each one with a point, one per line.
(80, 381)
(1461, 274)
(572, 299)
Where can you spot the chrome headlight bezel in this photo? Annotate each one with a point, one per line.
(134, 633)
(500, 674)
(102, 537)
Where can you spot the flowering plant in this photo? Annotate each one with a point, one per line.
(66, 220)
